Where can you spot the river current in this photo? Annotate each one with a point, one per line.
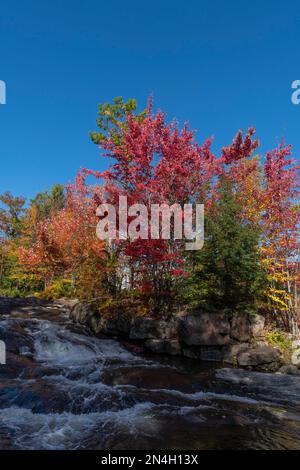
(62, 388)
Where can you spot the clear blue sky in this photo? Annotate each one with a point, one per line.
(220, 65)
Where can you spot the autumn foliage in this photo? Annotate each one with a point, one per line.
(153, 161)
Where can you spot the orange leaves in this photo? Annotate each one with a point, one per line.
(65, 239)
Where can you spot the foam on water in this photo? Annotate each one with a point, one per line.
(69, 431)
(198, 396)
(57, 345)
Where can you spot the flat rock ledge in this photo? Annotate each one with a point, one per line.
(235, 340)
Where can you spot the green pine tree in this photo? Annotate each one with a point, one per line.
(226, 273)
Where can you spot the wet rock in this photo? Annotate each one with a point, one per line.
(257, 324)
(270, 387)
(204, 353)
(25, 351)
(149, 378)
(172, 327)
(289, 370)
(113, 327)
(81, 313)
(240, 328)
(212, 354)
(26, 307)
(191, 353)
(230, 356)
(94, 323)
(155, 345)
(67, 303)
(173, 347)
(205, 329)
(170, 347)
(149, 328)
(15, 366)
(15, 336)
(265, 357)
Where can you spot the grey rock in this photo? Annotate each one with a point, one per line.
(192, 353)
(173, 347)
(257, 324)
(230, 356)
(160, 346)
(260, 356)
(204, 329)
(148, 328)
(289, 370)
(155, 345)
(66, 303)
(240, 328)
(116, 327)
(172, 327)
(80, 313)
(25, 351)
(211, 354)
(94, 322)
(203, 353)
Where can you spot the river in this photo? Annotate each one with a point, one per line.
(65, 389)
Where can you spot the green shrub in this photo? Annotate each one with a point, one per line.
(21, 285)
(281, 341)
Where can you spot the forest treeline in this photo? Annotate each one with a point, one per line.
(250, 258)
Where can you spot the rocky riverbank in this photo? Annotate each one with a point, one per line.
(235, 340)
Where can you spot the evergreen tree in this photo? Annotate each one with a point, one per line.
(48, 202)
(226, 273)
(111, 120)
(11, 214)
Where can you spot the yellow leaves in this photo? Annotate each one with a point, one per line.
(282, 292)
(278, 277)
(278, 280)
(142, 311)
(279, 297)
(267, 249)
(281, 304)
(58, 289)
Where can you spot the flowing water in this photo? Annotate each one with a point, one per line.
(65, 389)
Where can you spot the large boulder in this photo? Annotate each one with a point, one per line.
(231, 355)
(150, 328)
(119, 326)
(68, 304)
(289, 369)
(94, 323)
(204, 329)
(240, 328)
(171, 328)
(212, 354)
(257, 324)
(80, 313)
(164, 346)
(192, 352)
(204, 353)
(263, 357)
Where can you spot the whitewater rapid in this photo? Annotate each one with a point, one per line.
(64, 389)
